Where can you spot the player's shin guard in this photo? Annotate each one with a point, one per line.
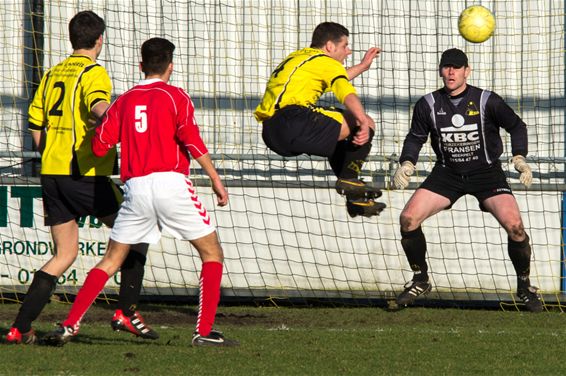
(93, 284)
(39, 292)
(414, 245)
(132, 272)
(520, 255)
(209, 297)
(348, 159)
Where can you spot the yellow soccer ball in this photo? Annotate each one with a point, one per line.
(476, 24)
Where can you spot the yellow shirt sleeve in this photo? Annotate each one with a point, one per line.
(97, 88)
(341, 87)
(36, 115)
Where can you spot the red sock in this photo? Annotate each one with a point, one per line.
(94, 283)
(210, 279)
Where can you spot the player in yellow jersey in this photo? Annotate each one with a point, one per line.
(293, 124)
(71, 96)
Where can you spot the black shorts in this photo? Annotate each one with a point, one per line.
(482, 184)
(66, 197)
(295, 130)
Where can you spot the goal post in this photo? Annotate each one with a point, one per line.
(285, 232)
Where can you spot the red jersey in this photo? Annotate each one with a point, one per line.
(155, 124)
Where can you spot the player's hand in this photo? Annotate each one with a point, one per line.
(403, 175)
(362, 135)
(520, 163)
(221, 193)
(369, 56)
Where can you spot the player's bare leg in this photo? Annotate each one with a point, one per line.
(66, 240)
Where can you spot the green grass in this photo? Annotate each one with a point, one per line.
(303, 341)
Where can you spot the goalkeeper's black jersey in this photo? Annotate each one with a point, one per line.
(464, 130)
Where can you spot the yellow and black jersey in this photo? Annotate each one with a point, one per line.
(301, 79)
(61, 107)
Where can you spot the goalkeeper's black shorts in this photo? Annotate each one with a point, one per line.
(481, 184)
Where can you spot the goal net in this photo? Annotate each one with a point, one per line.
(286, 233)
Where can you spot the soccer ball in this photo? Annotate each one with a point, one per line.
(476, 24)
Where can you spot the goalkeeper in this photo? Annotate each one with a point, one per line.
(463, 122)
(293, 124)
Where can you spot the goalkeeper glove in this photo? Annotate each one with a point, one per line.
(403, 174)
(526, 177)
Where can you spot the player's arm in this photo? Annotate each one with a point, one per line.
(199, 152)
(418, 133)
(516, 127)
(36, 115)
(99, 109)
(217, 186)
(106, 135)
(354, 105)
(506, 118)
(38, 137)
(346, 94)
(417, 136)
(189, 133)
(97, 88)
(355, 70)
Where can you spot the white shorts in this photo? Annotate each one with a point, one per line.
(161, 201)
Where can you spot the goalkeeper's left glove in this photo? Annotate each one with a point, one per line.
(520, 163)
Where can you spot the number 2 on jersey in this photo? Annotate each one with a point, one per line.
(141, 118)
(56, 109)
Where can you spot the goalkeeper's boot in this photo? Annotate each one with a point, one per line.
(413, 289)
(59, 336)
(355, 189)
(214, 338)
(364, 207)
(531, 298)
(16, 337)
(134, 324)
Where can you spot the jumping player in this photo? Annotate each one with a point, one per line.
(70, 97)
(463, 122)
(155, 124)
(293, 124)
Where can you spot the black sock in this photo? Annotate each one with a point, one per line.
(337, 159)
(348, 159)
(131, 278)
(39, 292)
(520, 255)
(414, 245)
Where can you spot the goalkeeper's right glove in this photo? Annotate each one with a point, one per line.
(403, 174)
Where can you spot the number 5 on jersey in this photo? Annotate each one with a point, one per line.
(141, 118)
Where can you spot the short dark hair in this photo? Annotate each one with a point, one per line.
(84, 29)
(157, 54)
(328, 31)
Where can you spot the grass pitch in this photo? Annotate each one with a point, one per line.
(302, 341)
